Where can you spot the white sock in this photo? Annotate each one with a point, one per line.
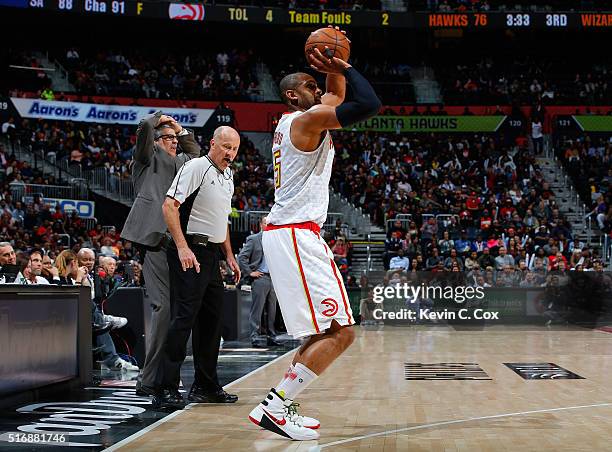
(297, 378)
(287, 372)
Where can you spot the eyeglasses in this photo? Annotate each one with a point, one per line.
(169, 137)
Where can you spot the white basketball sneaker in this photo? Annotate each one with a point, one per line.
(280, 416)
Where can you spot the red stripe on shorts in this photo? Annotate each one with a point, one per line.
(333, 266)
(310, 225)
(297, 255)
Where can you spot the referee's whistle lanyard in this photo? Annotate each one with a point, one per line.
(223, 173)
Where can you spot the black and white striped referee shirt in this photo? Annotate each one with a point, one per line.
(205, 193)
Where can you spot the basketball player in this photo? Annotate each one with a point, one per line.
(310, 291)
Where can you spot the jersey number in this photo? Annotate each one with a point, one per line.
(277, 169)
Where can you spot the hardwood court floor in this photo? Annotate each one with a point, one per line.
(365, 403)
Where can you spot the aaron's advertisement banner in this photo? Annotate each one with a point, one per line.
(105, 114)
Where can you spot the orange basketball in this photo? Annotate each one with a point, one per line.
(337, 44)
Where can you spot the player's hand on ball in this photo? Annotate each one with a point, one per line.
(341, 31)
(326, 65)
(188, 259)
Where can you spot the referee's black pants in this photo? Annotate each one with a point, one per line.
(197, 303)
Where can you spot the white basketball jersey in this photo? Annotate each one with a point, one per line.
(301, 179)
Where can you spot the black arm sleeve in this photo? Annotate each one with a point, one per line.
(364, 104)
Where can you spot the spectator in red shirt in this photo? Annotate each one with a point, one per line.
(554, 259)
(473, 202)
(58, 214)
(96, 233)
(43, 229)
(507, 210)
(485, 220)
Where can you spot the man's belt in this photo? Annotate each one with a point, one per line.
(197, 239)
(165, 241)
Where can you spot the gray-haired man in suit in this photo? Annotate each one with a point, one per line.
(155, 164)
(253, 263)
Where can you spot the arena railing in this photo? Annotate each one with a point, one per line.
(442, 219)
(248, 221)
(38, 160)
(607, 250)
(19, 190)
(353, 216)
(90, 223)
(77, 188)
(100, 179)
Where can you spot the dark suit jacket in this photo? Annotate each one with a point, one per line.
(251, 254)
(152, 173)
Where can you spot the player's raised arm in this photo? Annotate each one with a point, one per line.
(362, 106)
(335, 84)
(335, 90)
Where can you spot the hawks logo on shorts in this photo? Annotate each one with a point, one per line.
(331, 307)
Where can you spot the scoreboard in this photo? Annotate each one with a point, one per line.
(517, 20)
(290, 17)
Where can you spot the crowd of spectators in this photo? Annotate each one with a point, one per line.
(41, 244)
(231, 76)
(524, 81)
(493, 199)
(563, 296)
(21, 69)
(588, 160)
(391, 79)
(89, 146)
(227, 74)
(27, 221)
(37, 266)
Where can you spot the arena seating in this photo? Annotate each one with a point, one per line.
(164, 74)
(588, 160)
(450, 191)
(526, 81)
(231, 75)
(27, 80)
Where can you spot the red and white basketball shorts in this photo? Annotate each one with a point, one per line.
(306, 279)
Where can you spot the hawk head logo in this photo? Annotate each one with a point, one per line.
(331, 307)
(186, 11)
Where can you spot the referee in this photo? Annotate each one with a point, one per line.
(156, 162)
(196, 210)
